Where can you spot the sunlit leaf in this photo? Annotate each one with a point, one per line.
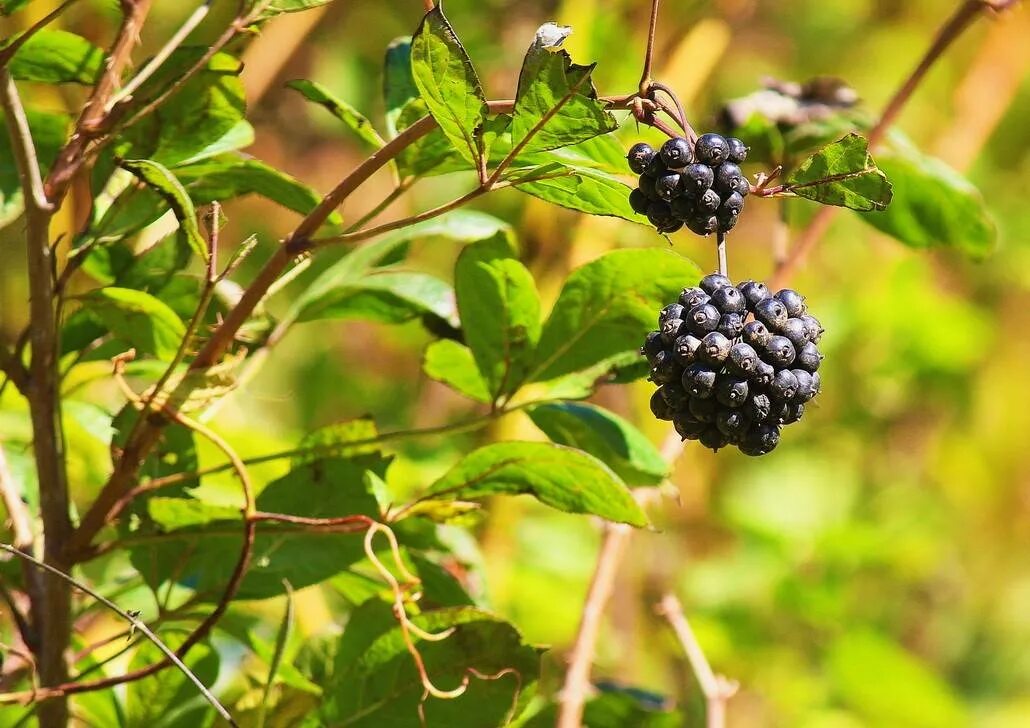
(343, 111)
(165, 184)
(452, 363)
(56, 56)
(146, 322)
(48, 134)
(169, 699)
(844, 174)
(584, 189)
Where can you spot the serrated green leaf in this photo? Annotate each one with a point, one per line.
(606, 436)
(56, 56)
(843, 174)
(48, 134)
(933, 205)
(500, 313)
(556, 101)
(165, 184)
(586, 190)
(375, 683)
(452, 363)
(561, 477)
(607, 306)
(145, 322)
(343, 111)
(448, 83)
(398, 84)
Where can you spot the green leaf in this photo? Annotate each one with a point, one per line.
(149, 270)
(433, 153)
(48, 134)
(196, 119)
(557, 476)
(556, 101)
(387, 297)
(586, 190)
(607, 306)
(398, 84)
(582, 383)
(448, 83)
(606, 436)
(343, 111)
(340, 440)
(56, 56)
(239, 136)
(8, 7)
(615, 710)
(933, 205)
(452, 363)
(145, 322)
(375, 682)
(164, 183)
(500, 313)
(842, 174)
(279, 7)
(169, 699)
(887, 685)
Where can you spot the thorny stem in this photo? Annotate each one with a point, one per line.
(959, 21)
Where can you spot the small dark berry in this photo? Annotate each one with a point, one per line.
(713, 282)
(714, 349)
(703, 224)
(672, 329)
(691, 297)
(667, 186)
(673, 310)
(703, 410)
(726, 220)
(794, 329)
(732, 422)
(784, 386)
(713, 439)
(760, 439)
(736, 151)
(731, 391)
(726, 176)
(772, 313)
(711, 149)
(638, 201)
(742, 359)
(778, 351)
(675, 395)
(729, 300)
(702, 319)
(742, 186)
(656, 166)
(659, 214)
(754, 292)
(640, 155)
(806, 390)
(756, 333)
(792, 413)
(697, 178)
(684, 208)
(685, 349)
(758, 407)
(646, 186)
(665, 368)
(731, 325)
(659, 408)
(699, 380)
(709, 201)
(732, 205)
(670, 227)
(817, 382)
(793, 300)
(687, 427)
(809, 358)
(764, 374)
(652, 345)
(815, 329)
(676, 153)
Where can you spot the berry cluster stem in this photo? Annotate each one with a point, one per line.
(720, 249)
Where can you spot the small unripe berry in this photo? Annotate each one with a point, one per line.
(794, 302)
(711, 149)
(778, 351)
(729, 300)
(772, 313)
(676, 153)
(736, 152)
(714, 349)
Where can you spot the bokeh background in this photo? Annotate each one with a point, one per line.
(873, 570)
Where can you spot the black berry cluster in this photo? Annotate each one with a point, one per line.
(700, 186)
(734, 363)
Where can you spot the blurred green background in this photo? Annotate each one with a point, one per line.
(873, 570)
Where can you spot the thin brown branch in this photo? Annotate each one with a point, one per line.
(645, 75)
(716, 688)
(957, 23)
(172, 657)
(13, 369)
(576, 689)
(8, 52)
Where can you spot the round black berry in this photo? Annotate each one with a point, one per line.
(756, 333)
(676, 153)
(703, 410)
(726, 220)
(736, 152)
(703, 224)
(758, 407)
(667, 186)
(806, 388)
(640, 155)
(808, 357)
(699, 380)
(639, 202)
(672, 311)
(711, 149)
(772, 313)
(684, 208)
(731, 325)
(709, 201)
(742, 359)
(726, 176)
(670, 227)
(813, 327)
(702, 319)
(729, 300)
(685, 349)
(732, 422)
(792, 413)
(730, 391)
(646, 186)
(697, 178)
(659, 214)
(794, 302)
(763, 375)
(691, 297)
(732, 204)
(784, 386)
(655, 167)
(714, 349)
(672, 329)
(794, 329)
(675, 395)
(754, 292)
(659, 407)
(713, 439)
(713, 282)
(687, 427)
(652, 345)
(760, 439)
(665, 368)
(778, 351)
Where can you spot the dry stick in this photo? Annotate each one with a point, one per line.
(716, 688)
(8, 52)
(134, 621)
(949, 32)
(51, 612)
